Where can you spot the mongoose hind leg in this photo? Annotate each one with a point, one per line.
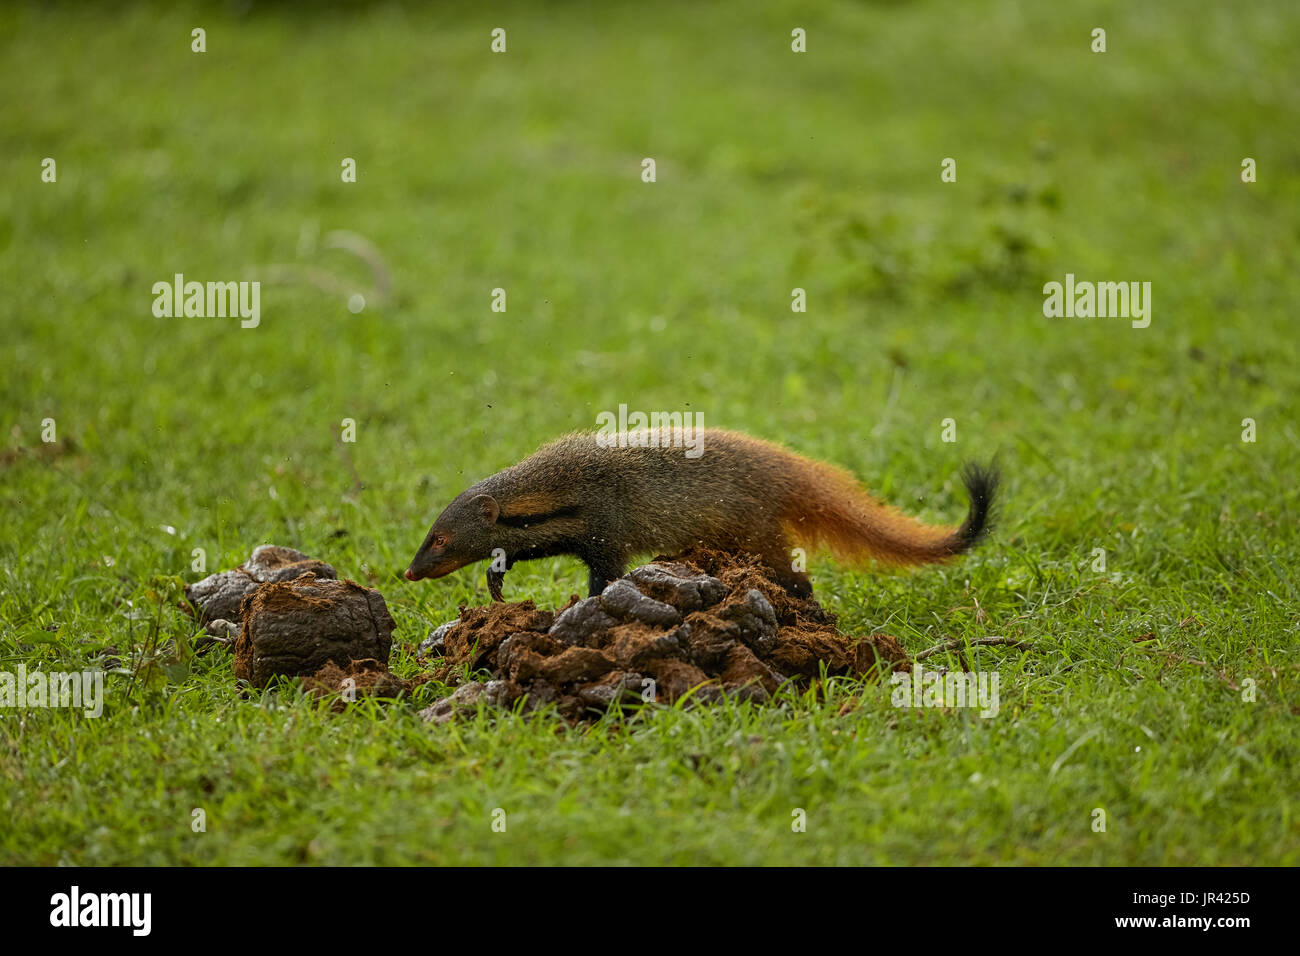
(796, 583)
(777, 556)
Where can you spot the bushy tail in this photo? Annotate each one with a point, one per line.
(831, 510)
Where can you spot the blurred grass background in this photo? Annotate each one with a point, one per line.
(775, 170)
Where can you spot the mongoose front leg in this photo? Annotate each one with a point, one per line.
(604, 569)
(494, 579)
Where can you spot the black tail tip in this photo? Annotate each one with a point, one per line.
(981, 483)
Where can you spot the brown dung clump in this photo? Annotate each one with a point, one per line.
(706, 623)
(296, 627)
(363, 678)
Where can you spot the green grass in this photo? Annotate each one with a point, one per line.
(775, 171)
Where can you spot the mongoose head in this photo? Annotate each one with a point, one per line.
(462, 535)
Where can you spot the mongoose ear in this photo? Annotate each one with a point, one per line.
(488, 508)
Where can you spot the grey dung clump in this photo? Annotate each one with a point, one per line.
(218, 596)
(580, 623)
(622, 600)
(756, 620)
(684, 588)
(435, 645)
(495, 693)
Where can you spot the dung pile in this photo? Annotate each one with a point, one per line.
(707, 623)
(287, 614)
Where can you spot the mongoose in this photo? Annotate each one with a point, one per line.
(603, 504)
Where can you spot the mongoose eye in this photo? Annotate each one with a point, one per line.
(440, 541)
